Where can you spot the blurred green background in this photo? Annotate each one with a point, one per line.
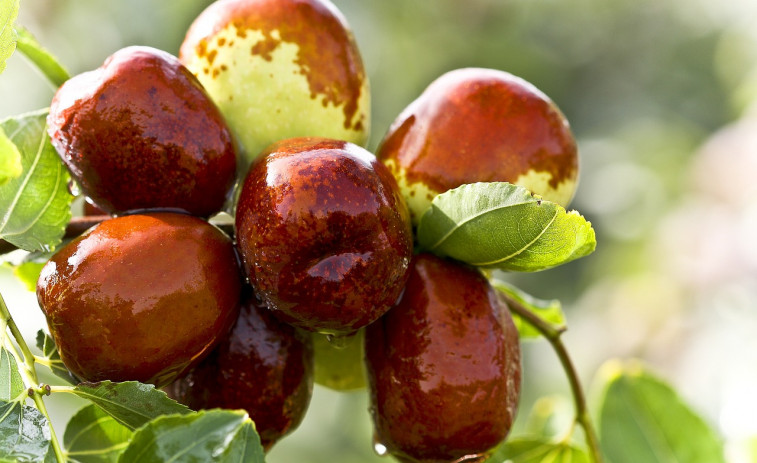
(662, 98)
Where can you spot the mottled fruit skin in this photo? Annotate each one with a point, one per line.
(324, 234)
(280, 69)
(140, 297)
(140, 132)
(443, 366)
(263, 366)
(480, 125)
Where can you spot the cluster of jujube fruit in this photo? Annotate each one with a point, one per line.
(273, 92)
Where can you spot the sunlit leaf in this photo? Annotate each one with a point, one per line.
(11, 383)
(131, 403)
(548, 310)
(10, 159)
(93, 436)
(641, 418)
(526, 450)
(8, 14)
(214, 435)
(500, 225)
(46, 344)
(24, 433)
(41, 57)
(36, 206)
(28, 273)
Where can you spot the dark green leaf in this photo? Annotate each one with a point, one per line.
(131, 403)
(36, 206)
(500, 225)
(24, 433)
(46, 344)
(8, 14)
(213, 435)
(41, 57)
(549, 311)
(10, 159)
(93, 436)
(525, 450)
(11, 384)
(641, 418)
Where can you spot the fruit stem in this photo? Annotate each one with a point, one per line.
(552, 334)
(30, 373)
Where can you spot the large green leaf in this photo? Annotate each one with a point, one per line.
(46, 344)
(11, 384)
(131, 403)
(93, 436)
(8, 14)
(548, 310)
(24, 433)
(213, 435)
(36, 206)
(641, 418)
(41, 57)
(10, 159)
(527, 450)
(500, 225)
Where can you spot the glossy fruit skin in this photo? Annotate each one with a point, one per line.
(280, 69)
(324, 234)
(140, 297)
(480, 125)
(140, 132)
(443, 366)
(263, 366)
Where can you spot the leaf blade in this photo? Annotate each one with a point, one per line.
(41, 57)
(8, 15)
(549, 311)
(536, 450)
(10, 159)
(93, 436)
(500, 225)
(24, 433)
(11, 383)
(50, 351)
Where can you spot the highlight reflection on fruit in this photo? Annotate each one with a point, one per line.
(280, 69)
(121, 305)
(480, 125)
(443, 366)
(324, 234)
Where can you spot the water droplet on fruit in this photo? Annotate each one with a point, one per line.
(379, 448)
(74, 188)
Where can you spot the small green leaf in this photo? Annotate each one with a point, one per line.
(41, 57)
(641, 418)
(131, 403)
(500, 225)
(24, 433)
(10, 159)
(46, 344)
(213, 435)
(93, 436)
(527, 450)
(28, 274)
(8, 14)
(550, 311)
(11, 384)
(36, 206)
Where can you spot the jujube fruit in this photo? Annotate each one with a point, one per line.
(263, 366)
(443, 366)
(280, 69)
(324, 234)
(140, 297)
(480, 125)
(140, 132)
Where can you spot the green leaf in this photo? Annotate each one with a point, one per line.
(24, 433)
(28, 273)
(131, 403)
(8, 14)
(10, 159)
(213, 435)
(41, 57)
(548, 310)
(93, 436)
(500, 225)
(527, 450)
(36, 206)
(11, 384)
(641, 418)
(46, 344)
